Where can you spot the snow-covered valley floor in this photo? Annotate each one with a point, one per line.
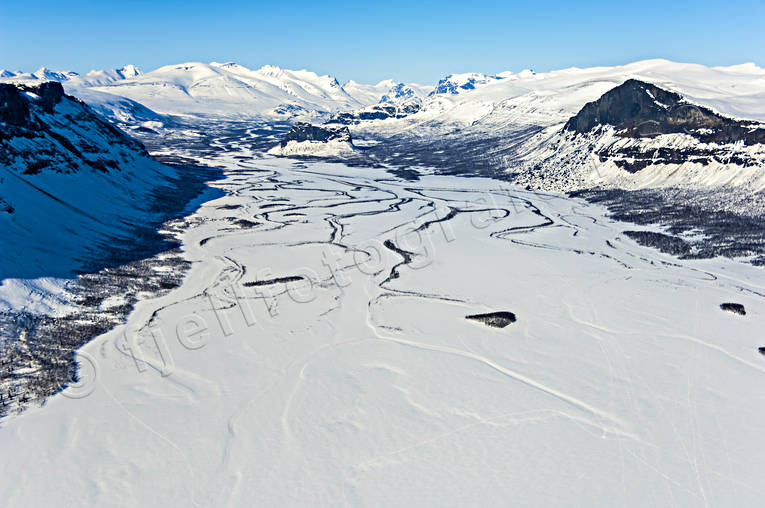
(318, 354)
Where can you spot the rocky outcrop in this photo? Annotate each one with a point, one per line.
(35, 135)
(735, 308)
(499, 319)
(637, 109)
(399, 101)
(642, 112)
(70, 183)
(398, 93)
(14, 107)
(305, 139)
(303, 131)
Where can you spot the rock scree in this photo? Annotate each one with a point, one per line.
(736, 308)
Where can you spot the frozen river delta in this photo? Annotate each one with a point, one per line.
(317, 353)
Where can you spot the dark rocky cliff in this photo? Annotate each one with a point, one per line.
(35, 135)
(303, 131)
(639, 109)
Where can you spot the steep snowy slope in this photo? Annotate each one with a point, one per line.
(81, 210)
(72, 186)
(127, 113)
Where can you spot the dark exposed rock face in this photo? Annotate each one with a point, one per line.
(636, 109)
(28, 113)
(14, 107)
(499, 319)
(736, 308)
(51, 93)
(639, 109)
(302, 131)
(14, 102)
(380, 111)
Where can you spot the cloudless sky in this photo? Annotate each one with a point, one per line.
(371, 41)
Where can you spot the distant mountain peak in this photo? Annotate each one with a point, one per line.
(398, 93)
(454, 84)
(271, 70)
(46, 74)
(129, 71)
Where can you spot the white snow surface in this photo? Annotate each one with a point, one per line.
(622, 383)
(222, 89)
(233, 90)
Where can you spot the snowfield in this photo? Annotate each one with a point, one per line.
(323, 348)
(318, 354)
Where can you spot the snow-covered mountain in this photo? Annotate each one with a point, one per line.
(231, 89)
(639, 135)
(125, 112)
(105, 77)
(399, 101)
(368, 94)
(305, 139)
(41, 74)
(370, 337)
(92, 78)
(545, 99)
(400, 93)
(519, 116)
(454, 84)
(227, 89)
(517, 120)
(70, 178)
(371, 94)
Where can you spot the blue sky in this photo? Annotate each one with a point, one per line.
(369, 42)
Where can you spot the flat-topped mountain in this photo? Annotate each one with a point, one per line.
(302, 131)
(315, 140)
(639, 109)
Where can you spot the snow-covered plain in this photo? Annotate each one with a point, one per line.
(318, 354)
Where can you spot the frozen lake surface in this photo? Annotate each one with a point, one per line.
(318, 353)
